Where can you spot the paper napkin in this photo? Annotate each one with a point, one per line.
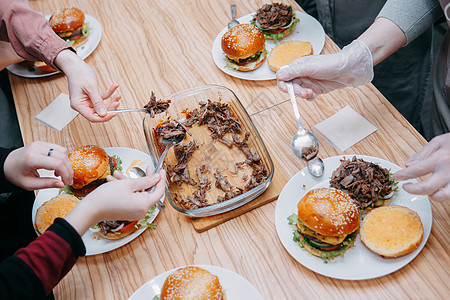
(345, 128)
(58, 113)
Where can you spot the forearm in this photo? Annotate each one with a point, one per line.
(81, 217)
(383, 38)
(65, 59)
(36, 269)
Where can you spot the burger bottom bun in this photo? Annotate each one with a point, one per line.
(285, 33)
(287, 52)
(56, 207)
(192, 283)
(317, 252)
(385, 203)
(40, 65)
(392, 231)
(245, 68)
(80, 41)
(117, 236)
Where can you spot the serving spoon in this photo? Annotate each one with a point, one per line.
(233, 21)
(304, 143)
(136, 172)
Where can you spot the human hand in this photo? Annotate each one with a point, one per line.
(83, 88)
(319, 74)
(121, 198)
(22, 164)
(433, 158)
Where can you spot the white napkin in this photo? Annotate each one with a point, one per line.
(58, 113)
(345, 128)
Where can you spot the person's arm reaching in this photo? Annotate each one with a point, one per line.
(433, 159)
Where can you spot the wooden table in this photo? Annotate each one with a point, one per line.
(165, 46)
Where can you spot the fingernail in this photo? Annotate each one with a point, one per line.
(102, 111)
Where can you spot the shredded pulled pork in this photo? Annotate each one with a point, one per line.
(364, 181)
(274, 15)
(219, 120)
(216, 116)
(109, 226)
(155, 107)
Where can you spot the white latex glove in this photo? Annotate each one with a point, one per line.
(319, 74)
(21, 166)
(433, 158)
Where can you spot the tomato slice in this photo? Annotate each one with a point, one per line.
(274, 31)
(127, 227)
(114, 161)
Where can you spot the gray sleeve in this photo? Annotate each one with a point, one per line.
(413, 17)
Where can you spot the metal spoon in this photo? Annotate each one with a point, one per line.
(304, 143)
(169, 143)
(233, 21)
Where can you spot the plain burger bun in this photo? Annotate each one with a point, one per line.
(117, 235)
(392, 231)
(287, 52)
(329, 212)
(66, 19)
(57, 207)
(191, 283)
(89, 163)
(242, 42)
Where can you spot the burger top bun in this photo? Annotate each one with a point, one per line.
(89, 163)
(287, 52)
(57, 207)
(66, 19)
(191, 283)
(329, 212)
(392, 231)
(242, 41)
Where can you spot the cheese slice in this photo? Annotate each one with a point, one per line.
(332, 240)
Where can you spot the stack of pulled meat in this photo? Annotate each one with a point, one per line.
(155, 107)
(219, 120)
(274, 15)
(365, 182)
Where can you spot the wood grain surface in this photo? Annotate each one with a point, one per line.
(165, 46)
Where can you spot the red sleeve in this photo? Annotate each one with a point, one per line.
(43, 263)
(29, 32)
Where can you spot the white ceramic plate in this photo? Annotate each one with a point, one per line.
(96, 244)
(307, 30)
(358, 262)
(235, 286)
(95, 34)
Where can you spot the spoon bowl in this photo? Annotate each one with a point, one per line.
(305, 144)
(137, 172)
(233, 21)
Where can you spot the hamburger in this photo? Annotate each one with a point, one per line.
(244, 47)
(91, 164)
(327, 222)
(57, 207)
(190, 283)
(68, 24)
(287, 52)
(392, 231)
(276, 20)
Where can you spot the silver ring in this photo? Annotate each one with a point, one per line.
(50, 152)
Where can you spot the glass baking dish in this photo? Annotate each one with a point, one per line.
(214, 154)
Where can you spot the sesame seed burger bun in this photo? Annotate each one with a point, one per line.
(89, 163)
(66, 19)
(192, 283)
(329, 212)
(57, 207)
(242, 41)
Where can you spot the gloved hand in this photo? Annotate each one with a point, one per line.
(319, 74)
(433, 158)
